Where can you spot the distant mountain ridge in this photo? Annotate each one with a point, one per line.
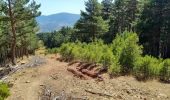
(56, 21)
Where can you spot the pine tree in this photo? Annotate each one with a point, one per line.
(154, 28)
(107, 14)
(91, 24)
(19, 15)
(27, 27)
(118, 25)
(125, 15)
(131, 14)
(107, 11)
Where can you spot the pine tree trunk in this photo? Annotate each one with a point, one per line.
(13, 42)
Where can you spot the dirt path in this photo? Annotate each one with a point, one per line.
(52, 80)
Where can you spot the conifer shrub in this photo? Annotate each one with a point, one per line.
(114, 69)
(66, 51)
(125, 47)
(147, 68)
(165, 71)
(4, 91)
(109, 60)
(95, 52)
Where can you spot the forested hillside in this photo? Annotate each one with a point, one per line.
(56, 21)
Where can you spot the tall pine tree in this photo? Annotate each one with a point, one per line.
(91, 24)
(107, 14)
(20, 18)
(125, 15)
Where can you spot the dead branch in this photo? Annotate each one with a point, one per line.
(99, 93)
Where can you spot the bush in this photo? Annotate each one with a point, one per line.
(165, 71)
(127, 50)
(109, 60)
(66, 50)
(147, 68)
(114, 69)
(95, 52)
(53, 50)
(4, 91)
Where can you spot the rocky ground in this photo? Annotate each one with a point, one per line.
(50, 80)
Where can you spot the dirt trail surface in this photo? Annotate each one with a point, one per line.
(52, 81)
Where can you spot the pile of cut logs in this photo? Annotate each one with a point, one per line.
(86, 70)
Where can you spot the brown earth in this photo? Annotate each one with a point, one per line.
(52, 80)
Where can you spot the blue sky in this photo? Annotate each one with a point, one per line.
(56, 6)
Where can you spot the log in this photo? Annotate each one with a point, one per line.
(103, 70)
(77, 73)
(93, 74)
(90, 73)
(80, 64)
(92, 66)
(74, 62)
(85, 66)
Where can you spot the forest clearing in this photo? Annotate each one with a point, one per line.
(85, 50)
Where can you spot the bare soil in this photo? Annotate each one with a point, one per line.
(52, 81)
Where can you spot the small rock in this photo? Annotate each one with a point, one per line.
(162, 95)
(22, 63)
(144, 98)
(127, 92)
(42, 85)
(27, 82)
(141, 97)
(57, 98)
(119, 96)
(33, 76)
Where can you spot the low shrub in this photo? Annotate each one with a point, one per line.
(127, 50)
(53, 50)
(165, 71)
(66, 51)
(4, 91)
(147, 68)
(114, 69)
(109, 60)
